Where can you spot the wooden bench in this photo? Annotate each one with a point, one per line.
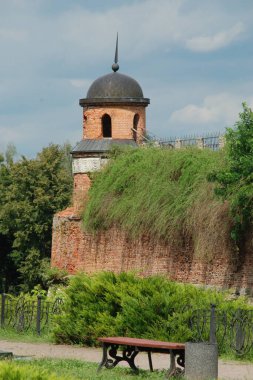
(130, 347)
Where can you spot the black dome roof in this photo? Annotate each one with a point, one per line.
(115, 85)
(114, 89)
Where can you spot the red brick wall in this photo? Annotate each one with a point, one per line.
(121, 118)
(74, 250)
(82, 184)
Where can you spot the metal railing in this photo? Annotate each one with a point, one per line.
(24, 314)
(214, 141)
(229, 329)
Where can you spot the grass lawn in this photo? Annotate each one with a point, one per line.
(75, 370)
(26, 336)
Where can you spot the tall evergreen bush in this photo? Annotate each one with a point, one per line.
(107, 304)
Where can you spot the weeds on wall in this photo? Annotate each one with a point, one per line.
(162, 193)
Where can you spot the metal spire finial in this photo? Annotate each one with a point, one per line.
(115, 65)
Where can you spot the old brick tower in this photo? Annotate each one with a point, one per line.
(113, 114)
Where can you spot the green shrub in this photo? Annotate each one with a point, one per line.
(107, 304)
(13, 371)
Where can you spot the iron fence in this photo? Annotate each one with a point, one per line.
(24, 314)
(230, 329)
(213, 141)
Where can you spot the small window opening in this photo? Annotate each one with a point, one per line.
(84, 121)
(84, 125)
(135, 126)
(106, 126)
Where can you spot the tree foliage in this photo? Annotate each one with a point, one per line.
(235, 181)
(31, 191)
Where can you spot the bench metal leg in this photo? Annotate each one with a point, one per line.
(174, 370)
(104, 357)
(128, 355)
(150, 361)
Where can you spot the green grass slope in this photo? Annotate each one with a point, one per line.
(163, 193)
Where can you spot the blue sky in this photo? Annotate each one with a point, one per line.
(192, 58)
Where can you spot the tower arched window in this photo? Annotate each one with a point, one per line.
(135, 126)
(84, 123)
(106, 126)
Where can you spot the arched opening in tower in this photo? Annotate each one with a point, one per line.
(84, 125)
(135, 126)
(106, 126)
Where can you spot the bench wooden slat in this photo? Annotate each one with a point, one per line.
(142, 343)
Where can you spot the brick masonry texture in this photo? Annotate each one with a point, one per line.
(122, 121)
(75, 250)
(82, 184)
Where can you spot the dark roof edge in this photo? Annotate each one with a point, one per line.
(89, 151)
(113, 101)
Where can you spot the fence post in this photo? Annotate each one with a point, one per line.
(201, 359)
(200, 143)
(39, 298)
(3, 309)
(213, 325)
(222, 142)
(239, 336)
(178, 144)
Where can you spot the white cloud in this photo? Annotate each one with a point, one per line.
(57, 125)
(77, 34)
(9, 134)
(143, 26)
(216, 41)
(51, 51)
(80, 83)
(193, 114)
(221, 109)
(17, 35)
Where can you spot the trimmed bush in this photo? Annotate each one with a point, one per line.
(107, 304)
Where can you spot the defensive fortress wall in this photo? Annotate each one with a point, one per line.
(75, 250)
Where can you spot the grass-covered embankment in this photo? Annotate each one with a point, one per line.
(163, 193)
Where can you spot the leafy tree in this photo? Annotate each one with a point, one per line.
(31, 191)
(235, 182)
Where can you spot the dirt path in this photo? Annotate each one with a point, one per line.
(227, 370)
